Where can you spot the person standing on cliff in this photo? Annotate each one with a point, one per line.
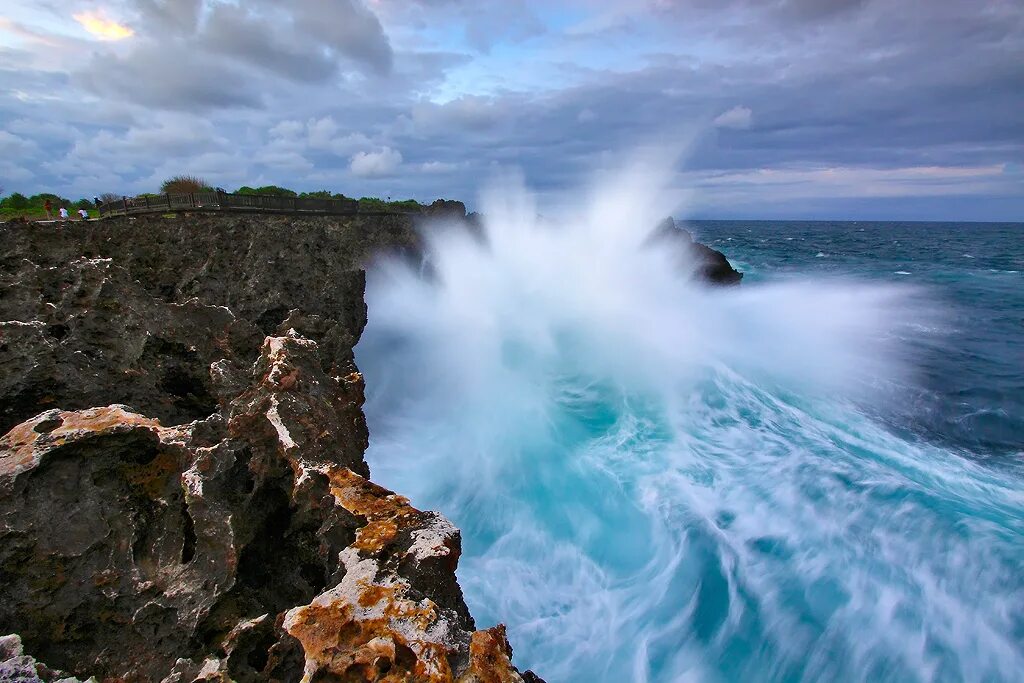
(49, 210)
(63, 214)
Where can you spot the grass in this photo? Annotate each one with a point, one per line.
(35, 213)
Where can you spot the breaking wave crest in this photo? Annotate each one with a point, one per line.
(658, 481)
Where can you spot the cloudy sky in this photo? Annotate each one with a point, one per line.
(858, 109)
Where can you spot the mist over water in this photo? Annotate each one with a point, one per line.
(658, 481)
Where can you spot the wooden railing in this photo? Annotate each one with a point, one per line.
(223, 201)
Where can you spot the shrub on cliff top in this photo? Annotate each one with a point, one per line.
(271, 190)
(15, 201)
(184, 184)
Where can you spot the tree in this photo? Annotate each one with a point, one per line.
(16, 201)
(40, 199)
(185, 184)
(110, 197)
(271, 190)
(317, 194)
(275, 191)
(372, 204)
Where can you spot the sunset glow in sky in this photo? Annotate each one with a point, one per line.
(103, 28)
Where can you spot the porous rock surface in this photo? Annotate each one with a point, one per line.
(183, 494)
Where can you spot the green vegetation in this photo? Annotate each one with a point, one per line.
(375, 204)
(185, 184)
(271, 190)
(365, 203)
(17, 205)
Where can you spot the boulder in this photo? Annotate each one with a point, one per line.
(707, 265)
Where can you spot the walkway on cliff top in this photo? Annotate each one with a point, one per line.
(244, 203)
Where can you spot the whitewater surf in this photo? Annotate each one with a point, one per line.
(660, 481)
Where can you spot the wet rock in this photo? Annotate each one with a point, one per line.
(707, 265)
(183, 494)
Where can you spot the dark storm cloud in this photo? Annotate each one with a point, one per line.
(235, 32)
(294, 92)
(813, 10)
(896, 88)
(170, 16)
(347, 26)
(186, 60)
(169, 76)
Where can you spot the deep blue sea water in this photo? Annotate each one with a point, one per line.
(971, 376)
(817, 476)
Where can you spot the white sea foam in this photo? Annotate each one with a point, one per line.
(660, 481)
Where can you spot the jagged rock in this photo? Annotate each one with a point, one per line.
(201, 551)
(83, 333)
(17, 667)
(186, 485)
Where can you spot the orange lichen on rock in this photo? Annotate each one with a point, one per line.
(380, 637)
(375, 536)
(362, 497)
(490, 658)
(23, 446)
(386, 512)
(375, 625)
(386, 636)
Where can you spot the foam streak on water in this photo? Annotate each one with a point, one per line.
(660, 482)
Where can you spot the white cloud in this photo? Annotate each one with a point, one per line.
(469, 112)
(376, 164)
(317, 135)
(287, 160)
(739, 117)
(852, 181)
(438, 167)
(322, 131)
(287, 130)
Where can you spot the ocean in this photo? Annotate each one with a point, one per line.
(817, 475)
(970, 394)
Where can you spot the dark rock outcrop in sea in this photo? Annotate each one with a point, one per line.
(709, 265)
(183, 494)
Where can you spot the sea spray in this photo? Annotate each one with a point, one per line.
(660, 481)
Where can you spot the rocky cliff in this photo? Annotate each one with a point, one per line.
(183, 494)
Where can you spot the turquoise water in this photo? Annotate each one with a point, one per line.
(815, 476)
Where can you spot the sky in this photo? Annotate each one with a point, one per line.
(818, 109)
